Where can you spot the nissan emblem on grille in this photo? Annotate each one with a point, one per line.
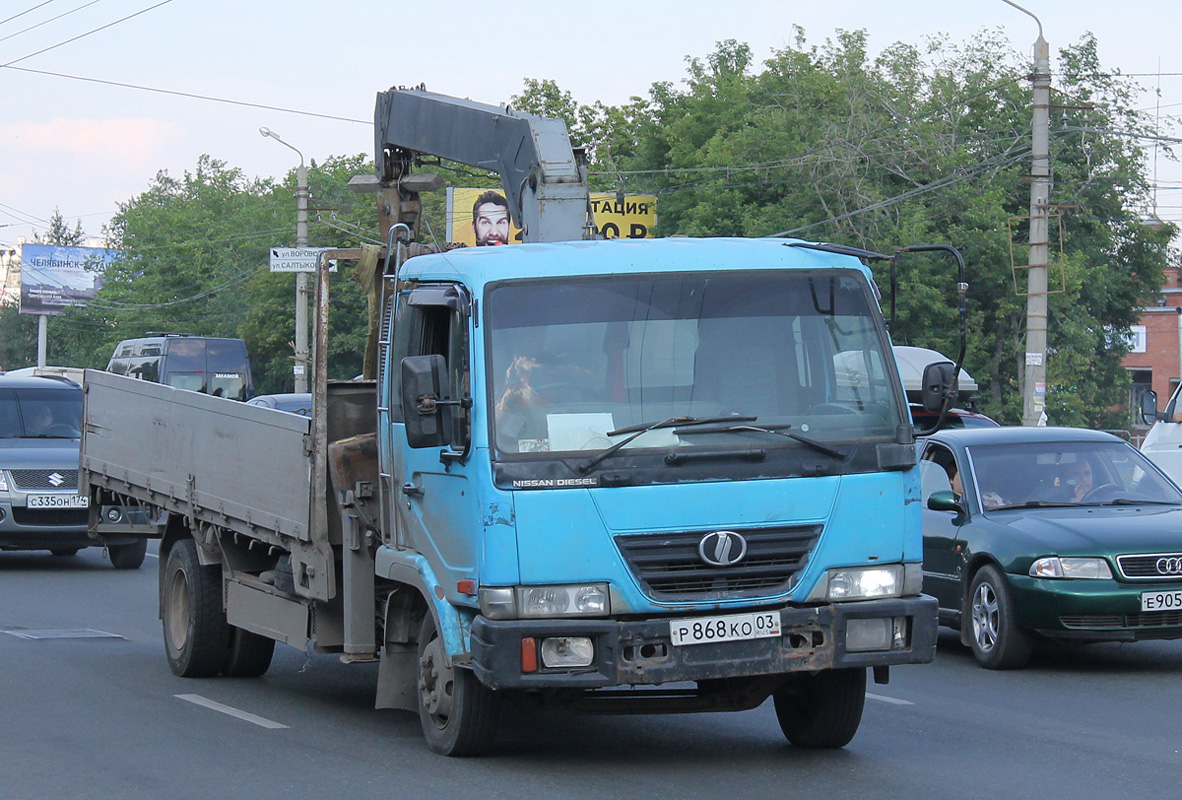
(1170, 566)
(56, 480)
(722, 548)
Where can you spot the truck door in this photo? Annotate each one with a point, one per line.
(429, 489)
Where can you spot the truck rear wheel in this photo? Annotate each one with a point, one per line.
(822, 710)
(458, 713)
(196, 636)
(249, 654)
(128, 556)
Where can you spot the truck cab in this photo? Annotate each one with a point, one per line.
(640, 468)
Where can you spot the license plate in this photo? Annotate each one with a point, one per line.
(58, 501)
(1161, 601)
(731, 628)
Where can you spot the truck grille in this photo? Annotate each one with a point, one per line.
(50, 517)
(36, 479)
(1145, 567)
(669, 567)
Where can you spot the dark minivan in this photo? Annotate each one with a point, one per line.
(198, 363)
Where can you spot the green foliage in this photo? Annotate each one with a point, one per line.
(195, 259)
(919, 145)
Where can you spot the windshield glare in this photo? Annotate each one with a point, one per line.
(572, 362)
(1066, 472)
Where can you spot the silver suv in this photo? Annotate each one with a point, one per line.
(40, 507)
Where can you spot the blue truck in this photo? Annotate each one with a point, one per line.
(647, 476)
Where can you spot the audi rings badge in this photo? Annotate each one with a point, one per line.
(722, 548)
(1170, 565)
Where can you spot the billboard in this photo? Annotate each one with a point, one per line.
(54, 277)
(632, 217)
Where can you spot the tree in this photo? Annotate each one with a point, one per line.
(195, 259)
(918, 146)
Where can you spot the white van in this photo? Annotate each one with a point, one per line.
(1163, 443)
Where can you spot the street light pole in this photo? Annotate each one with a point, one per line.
(302, 360)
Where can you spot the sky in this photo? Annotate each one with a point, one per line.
(310, 71)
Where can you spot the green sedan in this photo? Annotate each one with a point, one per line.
(1056, 533)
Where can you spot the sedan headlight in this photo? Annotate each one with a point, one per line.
(1055, 567)
(544, 602)
(860, 583)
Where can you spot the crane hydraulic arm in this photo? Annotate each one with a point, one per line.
(544, 182)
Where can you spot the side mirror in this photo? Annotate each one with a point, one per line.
(945, 501)
(938, 381)
(425, 401)
(1149, 413)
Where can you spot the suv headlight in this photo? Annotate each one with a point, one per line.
(544, 602)
(866, 583)
(1055, 567)
(3, 481)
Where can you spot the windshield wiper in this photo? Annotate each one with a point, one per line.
(639, 430)
(1035, 504)
(777, 430)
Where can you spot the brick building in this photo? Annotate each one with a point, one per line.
(1156, 360)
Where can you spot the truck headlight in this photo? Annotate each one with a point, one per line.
(544, 602)
(860, 583)
(1055, 567)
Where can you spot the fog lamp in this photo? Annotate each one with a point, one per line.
(868, 634)
(567, 651)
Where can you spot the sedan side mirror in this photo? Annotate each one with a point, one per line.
(945, 501)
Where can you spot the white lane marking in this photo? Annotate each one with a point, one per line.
(892, 700)
(246, 716)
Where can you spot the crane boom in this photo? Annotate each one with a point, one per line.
(543, 180)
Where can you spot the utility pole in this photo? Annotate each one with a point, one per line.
(302, 361)
(1034, 385)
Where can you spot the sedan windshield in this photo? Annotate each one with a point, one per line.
(770, 360)
(1066, 473)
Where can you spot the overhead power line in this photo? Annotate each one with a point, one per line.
(88, 33)
(175, 93)
(26, 11)
(51, 19)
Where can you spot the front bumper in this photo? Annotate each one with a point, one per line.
(641, 652)
(36, 529)
(1092, 610)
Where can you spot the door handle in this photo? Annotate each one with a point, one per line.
(410, 490)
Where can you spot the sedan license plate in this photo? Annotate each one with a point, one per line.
(1161, 601)
(731, 628)
(58, 501)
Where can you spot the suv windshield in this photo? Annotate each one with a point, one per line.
(582, 365)
(40, 413)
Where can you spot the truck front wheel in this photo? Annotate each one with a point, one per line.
(822, 710)
(196, 635)
(458, 713)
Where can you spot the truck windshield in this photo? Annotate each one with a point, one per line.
(584, 364)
